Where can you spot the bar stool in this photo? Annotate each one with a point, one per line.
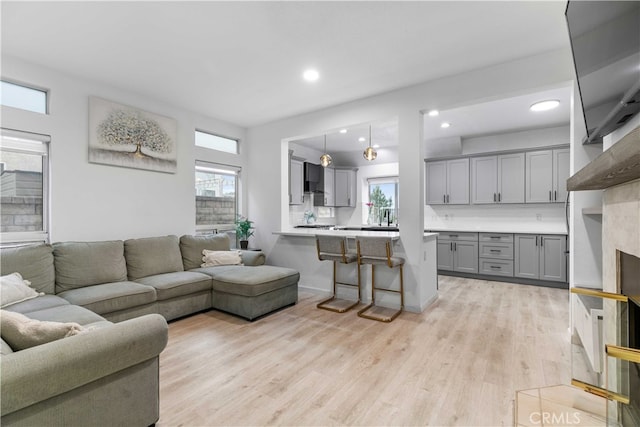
(374, 251)
(334, 248)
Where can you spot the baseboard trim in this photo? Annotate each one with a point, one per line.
(516, 280)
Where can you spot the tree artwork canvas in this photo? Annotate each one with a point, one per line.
(129, 137)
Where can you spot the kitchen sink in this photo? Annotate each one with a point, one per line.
(369, 228)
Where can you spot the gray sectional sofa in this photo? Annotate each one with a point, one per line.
(124, 292)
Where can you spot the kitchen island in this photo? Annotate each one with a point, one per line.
(296, 248)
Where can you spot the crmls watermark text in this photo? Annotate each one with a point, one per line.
(555, 418)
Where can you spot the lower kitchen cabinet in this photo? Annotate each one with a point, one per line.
(541, 257)
(458, 252)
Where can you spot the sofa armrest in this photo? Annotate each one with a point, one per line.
(252, 258)
(39, 373)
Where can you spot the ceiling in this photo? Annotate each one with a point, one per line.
(242, 61)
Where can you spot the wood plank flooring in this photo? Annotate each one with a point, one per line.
(458, 363)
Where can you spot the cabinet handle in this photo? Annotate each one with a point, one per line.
(555, 195)
(451, 246)
(349, 201)
(541, 241)
(495, 251)
(499, 197)
(495, 267)
(494, 197)
(447, 198)
(494, 237)
(550, 199)
(444, 198)
(455, 246)
(536, 240)
(290, 198)
(453, 235)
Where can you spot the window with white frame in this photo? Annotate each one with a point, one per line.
(216, 142)
(24, 203)
(216, 196)
(23, 97)
(383, 200)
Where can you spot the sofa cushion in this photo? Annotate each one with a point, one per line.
(250, 281)
(40, 303)
(191, 247)
(4, 347)
(66, 313)
(171, 285)
(80, 264)
(14, 289)
(20, 331)
(152, 255)
(111, 297)
(33, 262)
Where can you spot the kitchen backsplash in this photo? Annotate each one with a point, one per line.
(493, 214)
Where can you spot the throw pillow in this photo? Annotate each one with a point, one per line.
(20, 332)
(14, 289)
(215, 258)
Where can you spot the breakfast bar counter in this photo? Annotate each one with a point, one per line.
(296, 248)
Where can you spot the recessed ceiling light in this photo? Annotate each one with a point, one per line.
(362, 139)
(445, 125)
(311, 75)
(376, 145)
(433, 113)
(545, 105)
(343, 131)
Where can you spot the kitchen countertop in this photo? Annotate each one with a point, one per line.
(528, 228)
(311, 232)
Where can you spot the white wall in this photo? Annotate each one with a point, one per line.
(267, 162)
(99, 202)
(535, 138)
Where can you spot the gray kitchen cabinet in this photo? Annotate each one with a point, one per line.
(329, 187)
(447, 182)
(496, 254)
(498, 179)
(345, 187)
(546, 176)
(458, 252)
(296, 183)
(540, 257)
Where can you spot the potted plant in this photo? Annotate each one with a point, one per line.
(244, 230)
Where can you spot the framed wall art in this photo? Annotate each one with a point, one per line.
(126, 136)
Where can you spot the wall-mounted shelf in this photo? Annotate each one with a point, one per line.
(617, 165)
(592, 210)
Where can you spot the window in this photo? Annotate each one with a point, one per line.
(383, 193)
(23, 97)
(215, 142)
(23, 178)
(216, 196)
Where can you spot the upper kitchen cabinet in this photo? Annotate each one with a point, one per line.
(345, 187)
(447, 182)
(498, 179)
(296, 181)
(547, 172)
(329, 187)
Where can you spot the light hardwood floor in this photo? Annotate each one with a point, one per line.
(459, 362)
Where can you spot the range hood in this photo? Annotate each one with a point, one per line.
(313, 178)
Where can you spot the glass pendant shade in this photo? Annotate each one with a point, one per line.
(325, 159)
(369, 152)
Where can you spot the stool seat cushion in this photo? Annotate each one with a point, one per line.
(349, 257)
(394, 260)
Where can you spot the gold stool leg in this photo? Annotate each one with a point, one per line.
(324, 304)
(386, 319)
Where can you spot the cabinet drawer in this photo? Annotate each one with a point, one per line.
(456, 236)
(496, 267)
(496, 250)
(496, 237)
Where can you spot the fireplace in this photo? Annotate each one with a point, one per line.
(628, 278)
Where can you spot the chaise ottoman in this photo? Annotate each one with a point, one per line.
(251, 292)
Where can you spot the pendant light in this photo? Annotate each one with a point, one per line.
(369, 153)
(325, 159)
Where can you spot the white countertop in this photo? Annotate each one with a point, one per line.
(526, 228)
(311, 232)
